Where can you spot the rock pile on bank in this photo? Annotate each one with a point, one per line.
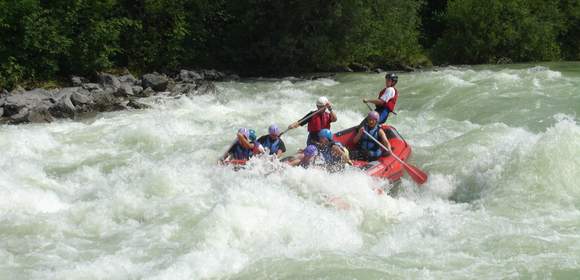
(109, 93)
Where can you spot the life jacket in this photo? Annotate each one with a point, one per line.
(390, 105)
(318, 122)
(273, 146)
(239, 152)
(367, 144)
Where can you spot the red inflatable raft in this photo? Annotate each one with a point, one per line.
(386, 167)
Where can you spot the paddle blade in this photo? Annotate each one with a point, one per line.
(416, 174)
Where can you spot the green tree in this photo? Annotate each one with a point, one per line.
(570, 36)
(96, 28)
(486, 31)
(14, 61)
(389, 36)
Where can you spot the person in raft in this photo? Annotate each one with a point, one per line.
(272, 141)
(306, 158)
(387, 99)
(368, 149)
(335, 155)
(244, 148)
(317, 120)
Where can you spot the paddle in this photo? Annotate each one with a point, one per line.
(371, 109)
(307, 118)
(284, 132)
(416, 174)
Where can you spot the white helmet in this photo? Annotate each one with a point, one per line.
(322, 101)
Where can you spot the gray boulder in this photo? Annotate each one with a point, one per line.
(183, 89)
(187, 76)
(14, 103)
(91, 86)
(20, 117)
(124, 90)
(206, 87)
(109, 80)
(137, 90)
(357, 67)
(128, 79)
(78, 81)
(212, 75)
(155, 81)
(79, 99)
(146, 92)
(137, 105)
(105, 101)
(40, 115)
(201, 88)
(63, 106)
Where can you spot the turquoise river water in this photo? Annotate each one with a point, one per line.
(138, 194)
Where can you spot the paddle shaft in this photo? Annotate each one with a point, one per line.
(371, 109)
(417, 175)
(283, 132)
(382, 146)
(369, 106)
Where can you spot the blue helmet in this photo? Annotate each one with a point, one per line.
(310, 151)
(325, 133)
(244, 131)
(274, 130)
(252, 135)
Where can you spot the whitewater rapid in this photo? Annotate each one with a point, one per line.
(138, 194)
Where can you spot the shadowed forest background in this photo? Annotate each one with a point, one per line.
(47, 40)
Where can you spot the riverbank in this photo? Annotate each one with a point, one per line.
(108, 93)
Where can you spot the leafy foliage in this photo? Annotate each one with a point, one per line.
(570, 36)
(49, 39)
(487, 31)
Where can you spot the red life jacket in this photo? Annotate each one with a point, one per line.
(319, 122)
(391, 103)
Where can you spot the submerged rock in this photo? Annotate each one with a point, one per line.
(137, 105)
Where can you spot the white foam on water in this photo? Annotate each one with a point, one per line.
(34, 201)
(138, 194)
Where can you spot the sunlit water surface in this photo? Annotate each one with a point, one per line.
(137, 195)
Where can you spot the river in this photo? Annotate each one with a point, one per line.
(138, 194)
